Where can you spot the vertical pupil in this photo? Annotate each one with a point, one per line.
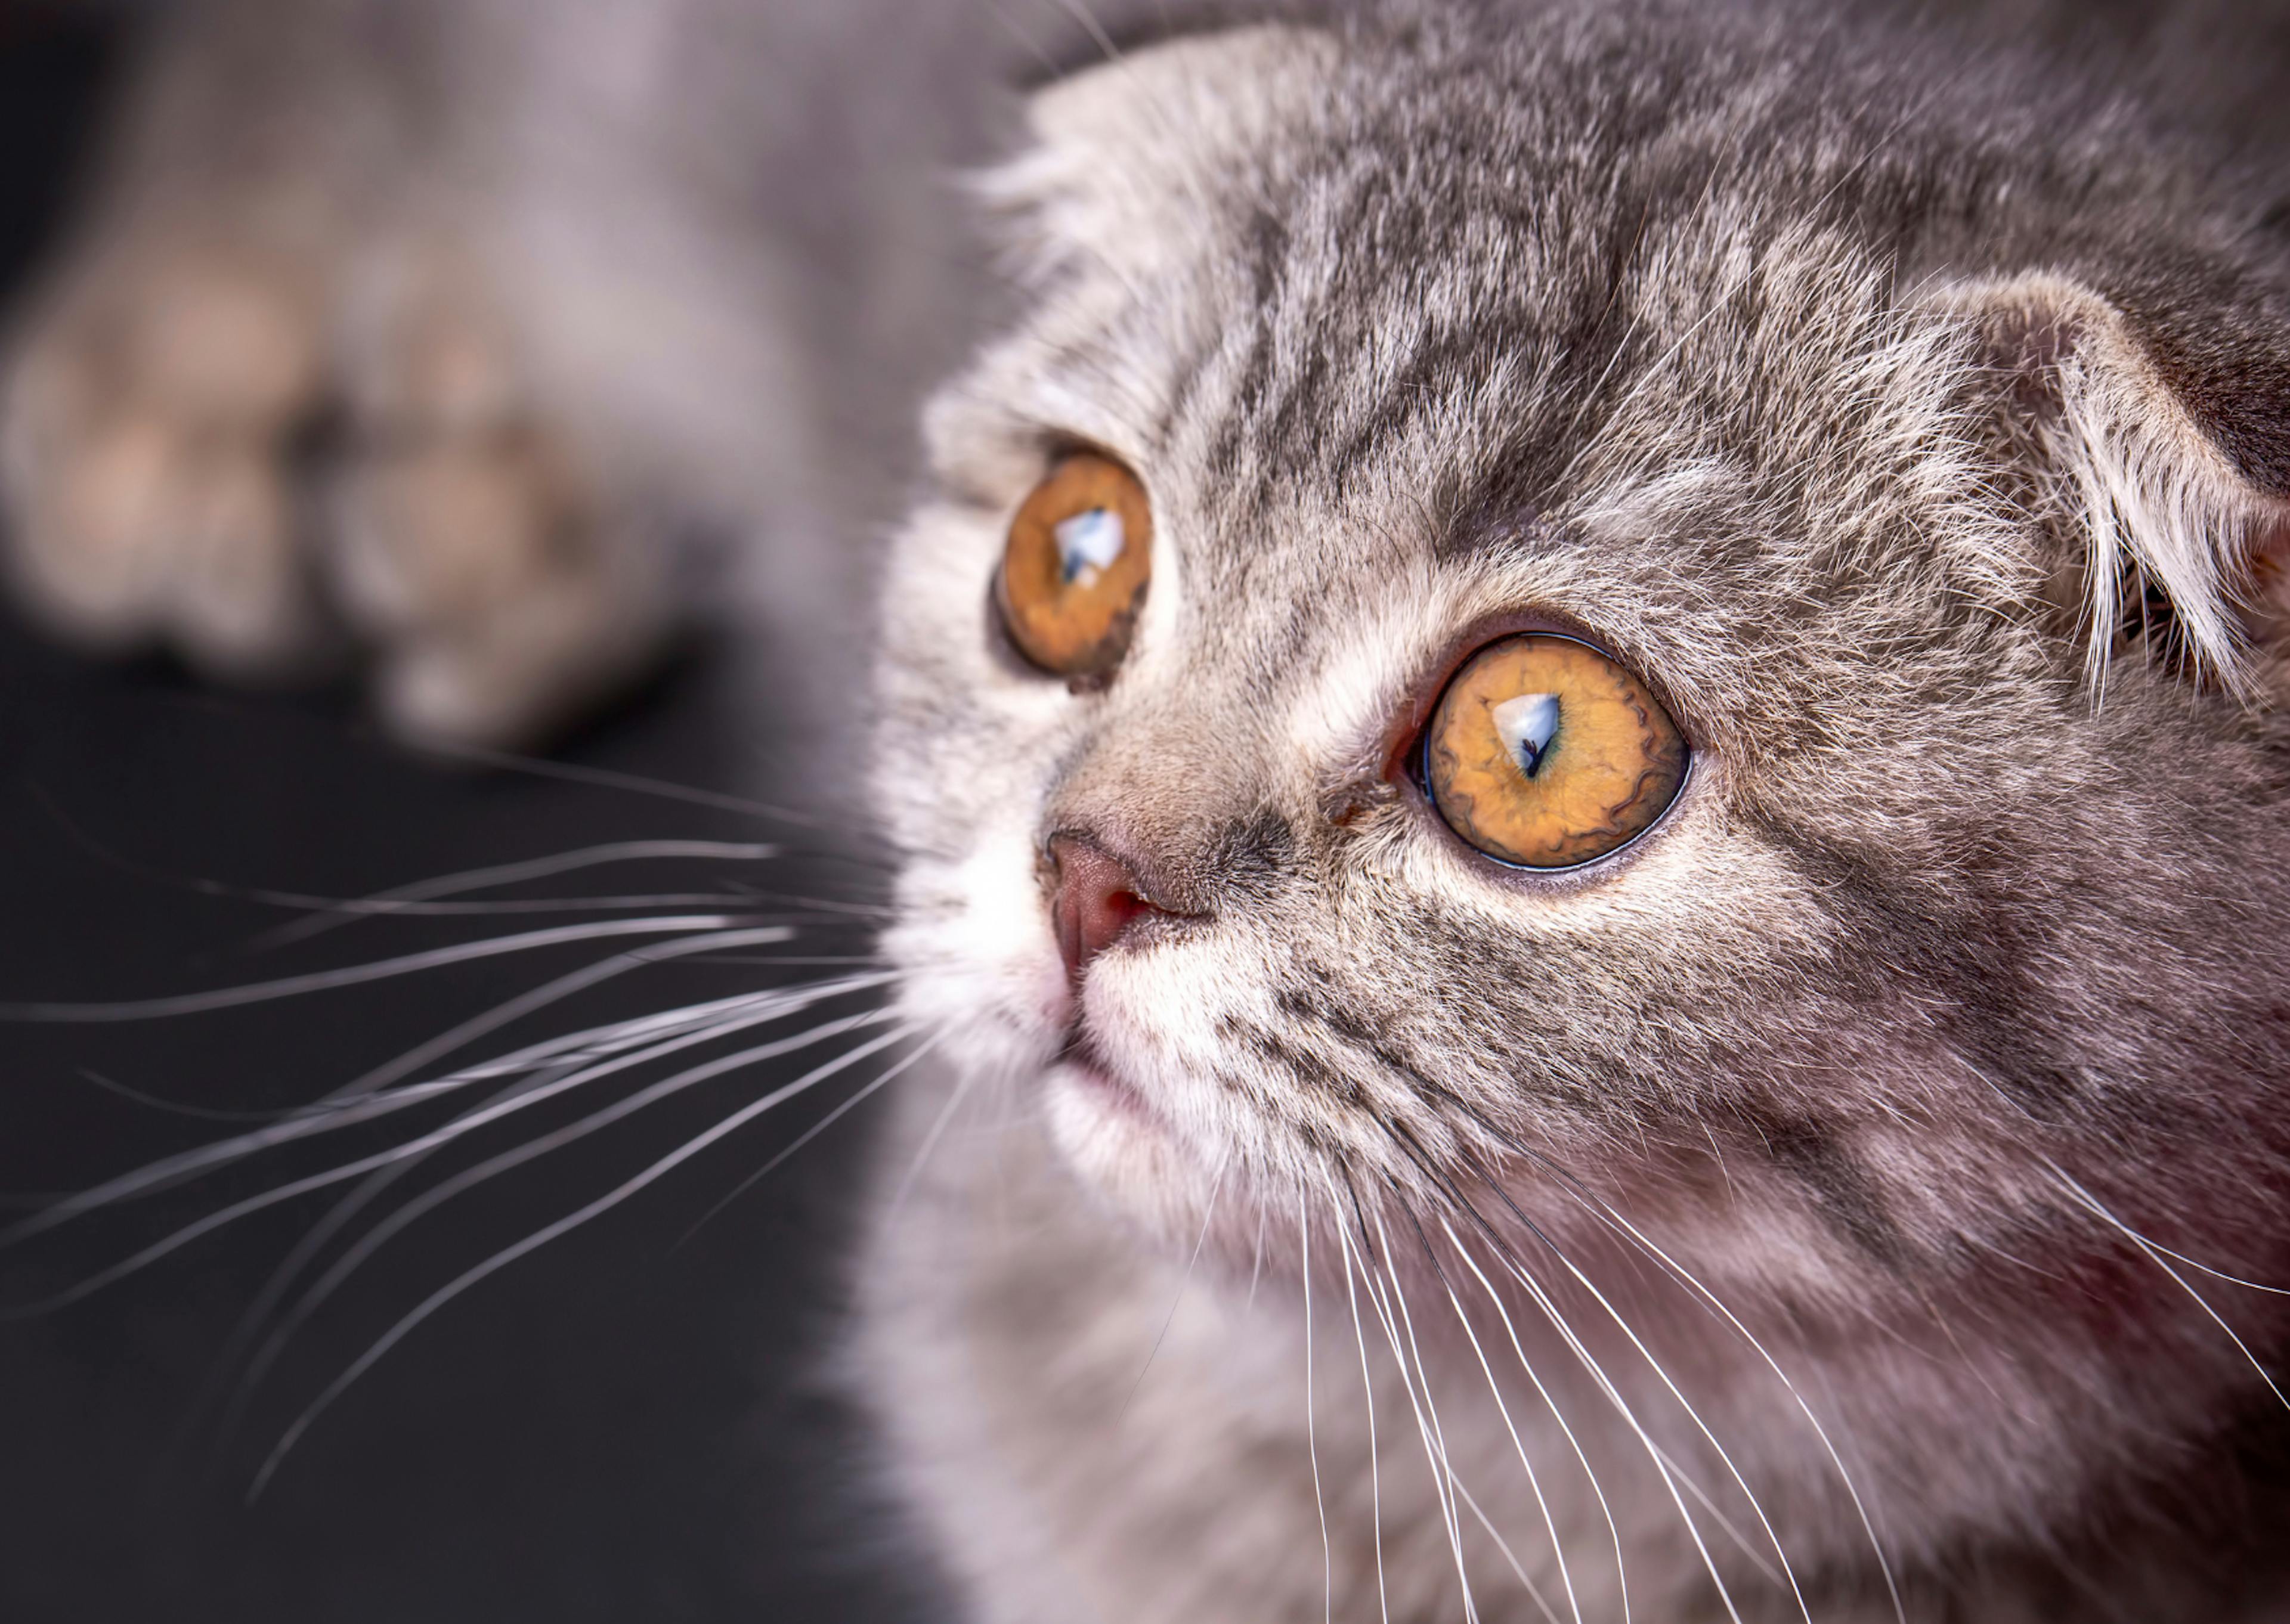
(1527, 725)
(1087, 545)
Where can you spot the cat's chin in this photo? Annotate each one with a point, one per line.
(1122, 1147)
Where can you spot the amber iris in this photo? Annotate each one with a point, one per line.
(1544, 753)
(1075, 567)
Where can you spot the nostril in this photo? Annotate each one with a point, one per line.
(1097, 899)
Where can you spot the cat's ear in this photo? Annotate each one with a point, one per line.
(2157, 430)
(1140, 158)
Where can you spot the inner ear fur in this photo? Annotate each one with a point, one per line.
(2162, 441)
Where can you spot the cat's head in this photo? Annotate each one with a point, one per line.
(1476, 403)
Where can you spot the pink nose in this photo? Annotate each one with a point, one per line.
(1097, 898)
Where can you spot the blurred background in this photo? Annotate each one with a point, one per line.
(628, 1424)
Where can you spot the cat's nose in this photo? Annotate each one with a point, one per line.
(1094, 900)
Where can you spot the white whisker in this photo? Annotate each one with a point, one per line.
(1412, 1372)
(420, 892)
(1367, 1385)
(2200, 1268)
(354, 975)
(532, 1242)
(2154, 1255)
(1613, 1530)
(1607, 1214)
(859, 1098)
(1256, 1267)
(470, 1179)
(1311, 1414)
(1655, 1364)
(171, 1170)
(1614, 1396)
(551, 992)
(630, 783)
(314, 1242)
(1533, 1591)
(1208, 1218)
(452, 1131)
(938, 1124)
(1534, 1482)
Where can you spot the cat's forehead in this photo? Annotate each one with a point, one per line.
(1418, 350)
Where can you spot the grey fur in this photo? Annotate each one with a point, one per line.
(1814, 370)
(1902, 394)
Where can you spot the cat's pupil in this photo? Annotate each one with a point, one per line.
(1527, 725)
(1087, 545)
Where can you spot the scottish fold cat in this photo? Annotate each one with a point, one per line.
(1580, 716)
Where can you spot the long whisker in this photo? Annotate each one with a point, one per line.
(170, 1170)
(1427, 1422)
(314, 1242)
(2199, 1266)
(421, 891)
(1256, 1265)
(1607, 1214)
(1614, 1221)
(1534, 1482)
(1405, 1142)
(1367, 1385)
(604, 778)
(1208, 1218)
(2155, 1256)
(1519, 1570)
(532, 1242)
(1311, 1414)
(938, 1124)
(1614, 1396)
(457, 1129)
(350, 910)
(858, 1098)
(353, 975)
(470, 1179)
(172, 1107)
(552, 992)
(1515, 1266)
(1655, 1364)
(1613, 1530)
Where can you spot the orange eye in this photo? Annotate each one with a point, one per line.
(1546, 753)
(1075, 567)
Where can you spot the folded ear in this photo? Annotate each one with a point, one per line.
(2159, 423)
(1135, 161)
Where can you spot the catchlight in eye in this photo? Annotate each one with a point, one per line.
(1076, 566)
(1543, 753)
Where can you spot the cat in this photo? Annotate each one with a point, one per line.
(1581, 724)
(1832, 1197)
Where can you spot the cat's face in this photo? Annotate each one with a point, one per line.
(1406, 363)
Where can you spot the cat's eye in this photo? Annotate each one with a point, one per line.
(1544, 753)
(1075, 567)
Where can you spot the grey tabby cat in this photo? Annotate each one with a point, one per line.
(1584, 723)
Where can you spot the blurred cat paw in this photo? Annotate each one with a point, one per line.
(260, 460)
(467, 541)
(145, 436)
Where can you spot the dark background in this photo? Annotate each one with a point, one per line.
(616, 1427)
